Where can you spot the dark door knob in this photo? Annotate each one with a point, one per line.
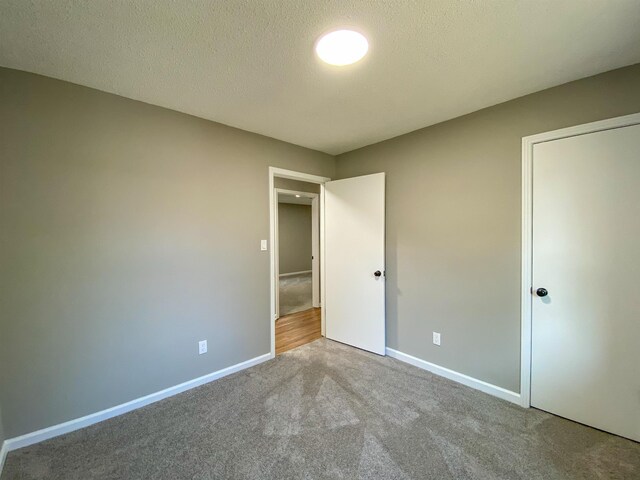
(542, 292)
(377, 273)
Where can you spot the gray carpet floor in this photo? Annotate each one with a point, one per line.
(326, 410)
(295, 293)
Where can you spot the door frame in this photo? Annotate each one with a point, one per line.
(315, 246)
(526, 293)
(273, 211)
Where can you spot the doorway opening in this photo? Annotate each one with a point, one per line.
(297, 250)
(296, 225)
(349, 306)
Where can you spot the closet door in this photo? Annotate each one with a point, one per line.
(586, 279)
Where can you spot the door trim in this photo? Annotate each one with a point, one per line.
(526, 297)
(273, 211)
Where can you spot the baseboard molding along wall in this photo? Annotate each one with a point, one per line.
(3, 455)
(485, 387)
(66, 427)
(78, 423)
(295, 273)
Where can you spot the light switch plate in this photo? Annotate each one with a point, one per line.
(263, 245)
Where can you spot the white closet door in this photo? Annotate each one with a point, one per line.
(586, 279)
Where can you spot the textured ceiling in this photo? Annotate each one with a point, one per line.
(250, 64)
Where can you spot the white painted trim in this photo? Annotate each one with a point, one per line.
(485, 387)
(525, 269)
(273, 212)
(3, 455)
(526, 297)
(66, 427)
(323, 278)
(315, 252)
(273, 262)
(276, 254)
(295, 273)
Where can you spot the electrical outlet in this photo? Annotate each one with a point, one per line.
(202, 347)
(436, 338)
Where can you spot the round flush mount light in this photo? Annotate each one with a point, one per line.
(342, 47)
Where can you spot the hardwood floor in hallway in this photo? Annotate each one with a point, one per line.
(297, 329)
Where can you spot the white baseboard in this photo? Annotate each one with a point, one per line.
(456, 377)
(295, 273)
(3, 454)
(66, 427)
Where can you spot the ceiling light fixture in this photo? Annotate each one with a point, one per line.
(297, 196)
(342, 47)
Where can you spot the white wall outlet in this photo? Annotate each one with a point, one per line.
(263, 245)
(202, 347)
(436, 338)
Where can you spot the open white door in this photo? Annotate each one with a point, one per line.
(354, 300)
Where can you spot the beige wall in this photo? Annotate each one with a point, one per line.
(294, 237)
(453, 222)
(289, 184)
(121, 248)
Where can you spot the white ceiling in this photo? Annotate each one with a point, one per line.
(250, 63)
(291, 198)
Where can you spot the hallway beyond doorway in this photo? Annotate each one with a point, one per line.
(295, 293)
(297, 329)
